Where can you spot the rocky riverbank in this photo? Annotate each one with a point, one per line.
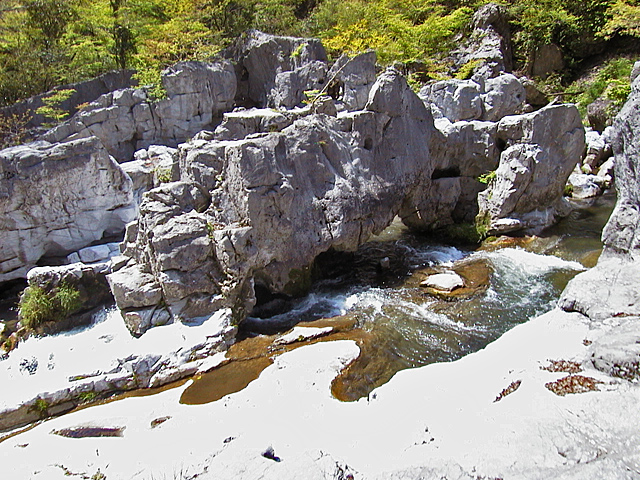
(240, 215)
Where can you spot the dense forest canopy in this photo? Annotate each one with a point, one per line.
(44, 43)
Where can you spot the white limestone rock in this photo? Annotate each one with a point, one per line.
(56, 199)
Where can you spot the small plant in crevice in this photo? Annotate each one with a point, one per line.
(163, 175)
(487, 177)
(87, 397)
(51, 108)
(41, 407)
(37, 306)
(13, 131)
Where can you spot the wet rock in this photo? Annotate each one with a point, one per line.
(585, 186)
(446, 282)
(37, 179)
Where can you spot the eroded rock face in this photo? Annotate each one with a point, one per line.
(352, 79)
(128, 120)
(610, 289)
(260, 209)
(275, 71)
(489, 44)
(540, 151)
(58, 198)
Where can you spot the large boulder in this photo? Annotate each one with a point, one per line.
(275, 71)
(540, 150)
(56, 199)
(489, 45)
(320, 183)
(87, 281)
(454, 100)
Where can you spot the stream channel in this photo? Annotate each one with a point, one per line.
(372, 296)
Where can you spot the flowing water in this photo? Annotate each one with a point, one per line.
(406, 327)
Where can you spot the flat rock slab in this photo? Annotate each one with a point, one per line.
(444, 281)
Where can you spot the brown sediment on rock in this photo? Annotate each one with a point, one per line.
(573, 384)
(513, 386)
(562, 366)
(224, 380)
(492, 244)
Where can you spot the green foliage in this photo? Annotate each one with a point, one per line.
(623, 18)
(51, 108)
(41, 407)
(466, 71)
(163, 175)
(397, 29)
(13, 129)
(567, 23)
(38, 306)
(87, 397)
(611, 81)
(568, 190)
(488, 177)
(44, 43)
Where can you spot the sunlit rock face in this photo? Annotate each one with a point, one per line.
(261, 208)
(57, 198)
(197, 93)
(540, 149)
(611, 288)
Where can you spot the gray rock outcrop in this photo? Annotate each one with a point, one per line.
(488, 99)
(540, 151)
(610, 289)
(351, 80)
(201, 244)
(489, 45)
(56, 199)
(128, 120)
(275, 71)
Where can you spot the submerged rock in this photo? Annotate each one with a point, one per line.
(446, 282)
